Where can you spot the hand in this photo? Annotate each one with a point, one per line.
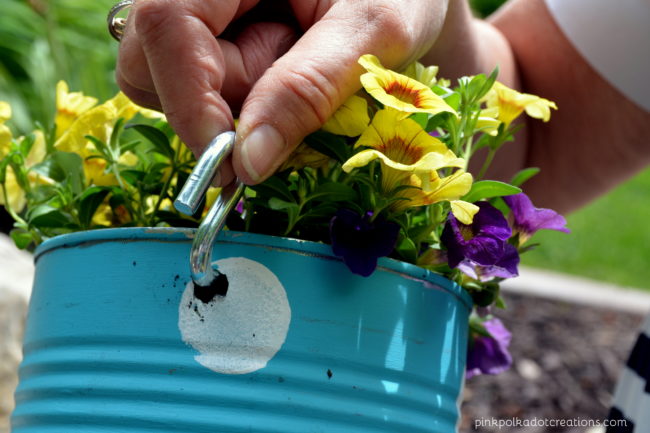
(175, 56)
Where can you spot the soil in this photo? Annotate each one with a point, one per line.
(567, 358)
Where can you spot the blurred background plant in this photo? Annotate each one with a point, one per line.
(44, 41)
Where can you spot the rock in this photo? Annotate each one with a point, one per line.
(17, 273)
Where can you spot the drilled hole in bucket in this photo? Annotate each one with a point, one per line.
(218, 287)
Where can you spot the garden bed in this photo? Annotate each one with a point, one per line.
(567, 360)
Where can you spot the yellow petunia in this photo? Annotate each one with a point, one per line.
(305, 156)
(96, 174)
(399, 91)
(15, 194)
(351, 119)
(463, 211)
(98, 121)
(69, 106)
(403, 148)
(449, 188)
(5, 132)
(511, 104)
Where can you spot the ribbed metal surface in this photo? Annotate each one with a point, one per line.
(103, 352)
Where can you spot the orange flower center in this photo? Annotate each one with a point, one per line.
(403, 92)
(399, 151)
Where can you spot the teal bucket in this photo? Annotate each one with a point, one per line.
(116, 341)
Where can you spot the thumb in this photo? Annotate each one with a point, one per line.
(306, 85)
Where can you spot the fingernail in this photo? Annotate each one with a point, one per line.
(261, 151)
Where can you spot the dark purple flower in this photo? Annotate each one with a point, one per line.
(481, 249)
(489, 355)
(505, 267)
(361, 241)
(527, 219)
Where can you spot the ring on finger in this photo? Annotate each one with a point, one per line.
(116, 25)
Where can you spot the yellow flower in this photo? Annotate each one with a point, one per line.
(424, 74)
(305, 156)
(399, 91)
(69, 106)
(463, 211)
(487, 124)
(5, 132)
(403, 148)
(95, 173)
(103, 215)
(351, 119)
(99, 122)
(438, 189)
(15, 194)
(511, 104)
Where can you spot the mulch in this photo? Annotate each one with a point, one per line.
(567, 358)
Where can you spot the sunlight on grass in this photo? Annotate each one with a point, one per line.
(606, 244)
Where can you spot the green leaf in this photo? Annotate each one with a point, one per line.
(333, 192)
(474, 86)
(132, 177)
(523, 175)
(407, 249)
(421, 119)
(156, 137)
(274, 186)
(99, 145)
(47, 216)
(500, 303)
(71, 165)
(89, 202)
(49, 168)
(488, 189)
(4, 162)
(21, 237)
(278, 204)
(452, 99)
(114, 140)
(329, 144)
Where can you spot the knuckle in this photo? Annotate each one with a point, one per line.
(313, 93)
(155, 17)
(385, 20)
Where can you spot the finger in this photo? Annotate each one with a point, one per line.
(186, 63)
(132, 70)
(141, 97)
(249, 55)
(305, 86)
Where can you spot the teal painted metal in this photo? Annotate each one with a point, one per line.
(103, 350)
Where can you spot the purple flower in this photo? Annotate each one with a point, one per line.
(505, 266)
(489, 355)
(481, 250)
(527, 219)
(361, 241)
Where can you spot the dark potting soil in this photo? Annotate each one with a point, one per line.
(567, 358)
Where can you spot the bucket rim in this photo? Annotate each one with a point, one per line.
(299, 246)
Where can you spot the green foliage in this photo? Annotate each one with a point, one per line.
(42, 42)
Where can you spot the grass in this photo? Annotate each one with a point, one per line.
(610, 239)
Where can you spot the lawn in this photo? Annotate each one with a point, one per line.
(610, 239)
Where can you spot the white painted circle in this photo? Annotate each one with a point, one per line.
(240, 332)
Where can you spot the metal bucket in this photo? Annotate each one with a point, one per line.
(116, 341)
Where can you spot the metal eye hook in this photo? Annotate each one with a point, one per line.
(190, 197)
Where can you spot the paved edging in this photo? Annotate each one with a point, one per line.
(563, 287)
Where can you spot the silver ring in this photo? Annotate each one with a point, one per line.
(116, 25)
